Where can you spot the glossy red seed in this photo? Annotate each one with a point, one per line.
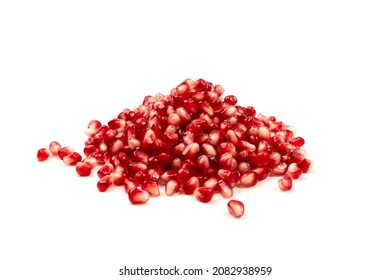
(151, 187)
(230, 99)
(91, 161)
(65, 151)
(190, 186)
(104, 183)
(236, 208)
(248, 179)
(129, 185)
(204, 194)
(285, 183)
(72, 159)
(54, 147)
(294, 171)
(138, 196)
(43, 154)
(226, 190)
(171, 187)
(305, 165)
(83, 169)
(93, 128)
(106, 169)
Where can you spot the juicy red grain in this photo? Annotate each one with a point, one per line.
(192, 141)
(83, 169)
(204, 194)
(285, 183)
(54, 147)
(236, 208)
(43, 154)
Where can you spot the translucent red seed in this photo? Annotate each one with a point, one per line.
(236, 208)
(43, 154)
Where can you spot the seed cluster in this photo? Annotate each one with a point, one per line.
(191, 141)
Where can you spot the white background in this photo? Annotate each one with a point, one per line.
(321, 66)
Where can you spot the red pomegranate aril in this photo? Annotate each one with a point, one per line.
(190, 186)
(139, 178)
(236, 208)
(171, 187)
(285, 183)
(151, 187)
(230, 99)
(129, 185)
(148, 141)
(227, 161)
(305, 165)
(115, 147)
(116, 123)
(106, 169)
(65, 151)
(93, 128)
(297, 141)
(226, 190)
(275, 159)
(168, 175)
(137, 166)
(215, 137)
(206, 107)
(89, 149)
(203, 163)
(43, 154)
(226, 147)
(54, 147)
(261, 172)
(118, 178)
(138, 196)
(72, 159)
(191, 150)
(248, 179)
(91, 161)
(211, 183)
(294, 171)
(243, 167)
(204, 194)
(209, 150)
(279, 169)
(183, 175)
(183, 114)
(104, 183)
(245, 145)
(83, 169)
(153, 175)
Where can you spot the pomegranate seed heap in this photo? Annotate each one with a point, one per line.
(192, 141)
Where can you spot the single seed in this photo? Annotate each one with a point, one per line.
(43, 154)
(236, 208)
(285, 183)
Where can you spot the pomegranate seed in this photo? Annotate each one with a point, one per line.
(204, 194)
(93, 128)
(280, 169)
(151, 187)
(129, 185)
(138, 196)
(203, 163)
(43, 154)
(65, 151)
(226, 190)
(139, 178)
(83, 169)
(118, 177)
(168, 175)
(72, 159)
(305, 165)
(226, 147)
(243, 167)
(215, 137)
(285, 183)
(297, 142)
(137, 166)
(248, 179)
(211, 183)
(230, 99)
(209, 150)
(227, 161)
(294, 171)
(191, 150)
(261, 172)
(104, 183)
(191, 185)
(171, 187)
(54, 147)
(116, 124)
(236, 208)
(106, 169)
(91, 161)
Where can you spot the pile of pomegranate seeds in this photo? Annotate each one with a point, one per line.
(192, 141)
